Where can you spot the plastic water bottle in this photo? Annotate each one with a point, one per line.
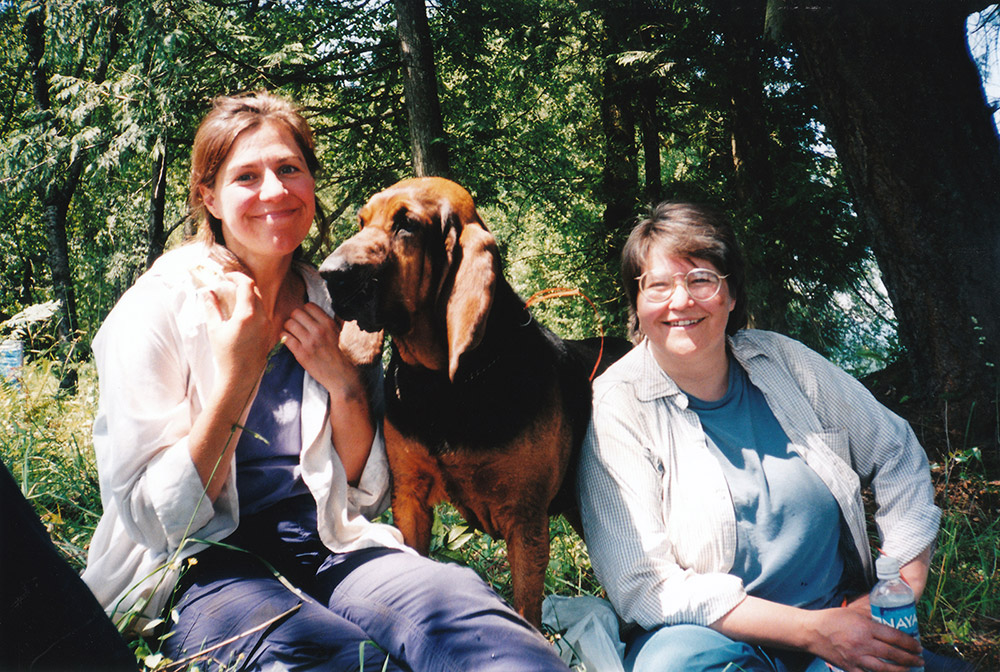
(11, 361)
(892, 600)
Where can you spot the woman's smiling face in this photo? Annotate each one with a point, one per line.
(264, 194)
(683, 332)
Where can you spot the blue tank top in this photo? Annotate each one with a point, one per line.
(788, 522)
(267, 455)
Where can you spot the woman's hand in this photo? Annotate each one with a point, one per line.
(240, 335)
(240, 341)
(314, 338)
(854, 642)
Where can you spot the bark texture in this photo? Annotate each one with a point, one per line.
(430, 154)
(905, 105)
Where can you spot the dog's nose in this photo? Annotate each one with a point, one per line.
(336, 272)
(352, 288)
(333, 266)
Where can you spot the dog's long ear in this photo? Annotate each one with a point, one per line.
(476, 264)
(359, 346)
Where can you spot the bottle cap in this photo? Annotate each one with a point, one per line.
(886, 567)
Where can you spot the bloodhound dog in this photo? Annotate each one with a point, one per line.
(485, 407)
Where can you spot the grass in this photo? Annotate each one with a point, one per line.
(45, 442)
(960, 611)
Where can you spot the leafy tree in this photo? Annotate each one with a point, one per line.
(565, 119)
(55, 142)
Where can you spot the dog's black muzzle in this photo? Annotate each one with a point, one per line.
(353, 290)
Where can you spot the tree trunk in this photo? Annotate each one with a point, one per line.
(620, 180)
(752, 173)
(55, 205)
(430, 153)
(157, 205)
(743, 33)
(54, 197)
(905, 106)
(55, 208)
(649, 130)
(56, 191)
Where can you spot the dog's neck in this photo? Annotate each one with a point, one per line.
(423, 347)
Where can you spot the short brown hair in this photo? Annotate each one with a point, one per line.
(685, 230)
(230, 116)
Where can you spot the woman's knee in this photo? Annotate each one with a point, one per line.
(438, 616)
(690, 648)
(258, 623)
(413, 586)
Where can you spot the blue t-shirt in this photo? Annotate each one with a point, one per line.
(788, 522)
(267, 456)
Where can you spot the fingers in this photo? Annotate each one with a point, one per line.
(890, 650)
(312, 328)
(856, 643)
(313, 337)
(214, 309)
(239, 329)
(861, 605)
(896, 646)
(245, 294)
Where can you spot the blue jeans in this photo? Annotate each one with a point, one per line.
(695, 648)
(424, 615)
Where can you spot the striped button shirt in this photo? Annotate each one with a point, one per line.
(658, 518)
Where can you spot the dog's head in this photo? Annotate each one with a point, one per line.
(423, 267)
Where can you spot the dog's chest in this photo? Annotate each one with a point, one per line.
(486, 407)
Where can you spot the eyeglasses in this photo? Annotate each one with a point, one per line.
(701, 284)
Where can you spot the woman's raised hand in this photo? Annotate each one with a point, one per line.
(314, 338)
(241, 340)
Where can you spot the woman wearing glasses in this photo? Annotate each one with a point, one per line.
(721, 478)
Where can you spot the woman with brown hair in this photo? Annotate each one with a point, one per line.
(235, 441)
(720, 481)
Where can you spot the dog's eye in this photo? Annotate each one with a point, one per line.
(403, 223)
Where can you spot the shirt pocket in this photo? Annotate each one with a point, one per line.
(829, 455)
(836, 440)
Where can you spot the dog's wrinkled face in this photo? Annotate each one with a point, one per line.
(381, 275)
(421, 267)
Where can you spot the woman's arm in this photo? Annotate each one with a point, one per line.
(884, 451)
(843, 637)
(158, 435)
(914, 573)
(313, 337)
(240, 344)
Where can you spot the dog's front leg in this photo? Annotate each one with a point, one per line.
(416, 488)
(528, 555)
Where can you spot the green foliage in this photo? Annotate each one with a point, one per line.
(520, 89)
(45, 442)
(961, 603)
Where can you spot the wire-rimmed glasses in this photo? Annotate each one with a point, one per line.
(701, 284)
